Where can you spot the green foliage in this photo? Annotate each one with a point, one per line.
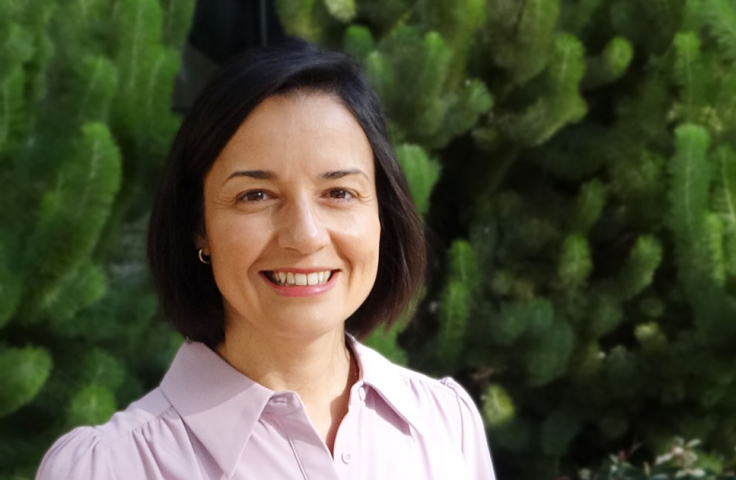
(680, 460)
(721, 17)
(588, 206)
(141, 112)
(557, 431)
(521, 36)
(383, 15)
(560, 101)
(23, 373)
(601, 223)
(10, 287)
(92, 405)
(342, 10)
(421, 172)
(453, 316)
(610, 66)
(295, 16)
(73, 213)
(358, 42)
(498, 407)
(517, 317)
(458, 23)
(638, 271)
(546, 356)
(84, 120)
(176, 22)
(575, 263)
(690, 180)
(589, 283)
(411, 73)
(12, 122)
(463, 265)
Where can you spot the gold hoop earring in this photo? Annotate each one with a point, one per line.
(203, 258)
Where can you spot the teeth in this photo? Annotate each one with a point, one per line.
(301, 279)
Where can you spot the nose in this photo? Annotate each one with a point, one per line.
(300, 227)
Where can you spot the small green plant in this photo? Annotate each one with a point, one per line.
(683, 460)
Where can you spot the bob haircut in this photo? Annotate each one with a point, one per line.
(186, 287)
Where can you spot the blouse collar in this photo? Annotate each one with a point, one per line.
(221, 406)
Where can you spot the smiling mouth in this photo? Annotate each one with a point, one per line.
(290, 279)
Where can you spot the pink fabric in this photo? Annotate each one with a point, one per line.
(208, 421)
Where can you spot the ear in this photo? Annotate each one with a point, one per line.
(200, 241)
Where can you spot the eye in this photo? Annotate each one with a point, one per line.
(253, 196)
(340, 194)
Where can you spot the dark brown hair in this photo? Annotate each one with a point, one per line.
(185, 286)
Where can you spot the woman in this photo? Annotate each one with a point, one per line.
(283, 229)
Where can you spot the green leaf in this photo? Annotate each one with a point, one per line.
(296, 18)
(101, 368)
(588, 206)
(463, 266)
(23, 371)
(638, 271)
(575, 263)
(342, 10)
(358, 42)
(177, 20)
(421, 171)
(688, 198)
(454, 310)
(92, 405)
(76, 291)
(610, 66)
(518, 317)
(498, 407)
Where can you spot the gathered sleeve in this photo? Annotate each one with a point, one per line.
(473, 439)
(78, 455)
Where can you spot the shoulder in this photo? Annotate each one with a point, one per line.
(88, 453)
(442, 405)
(445, 398)
(442, 408)
(79, 455)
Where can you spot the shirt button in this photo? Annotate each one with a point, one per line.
(347, 457)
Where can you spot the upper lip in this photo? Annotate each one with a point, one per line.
(302, 270)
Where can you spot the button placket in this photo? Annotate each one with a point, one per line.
(346, 452)
(311, 452)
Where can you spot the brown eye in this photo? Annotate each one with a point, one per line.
(340, 194)
(253, 196)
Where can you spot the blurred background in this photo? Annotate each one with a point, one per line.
(573, 161)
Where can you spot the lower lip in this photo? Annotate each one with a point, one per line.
(303, 291)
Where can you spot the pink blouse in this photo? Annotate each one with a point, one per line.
(207, 421)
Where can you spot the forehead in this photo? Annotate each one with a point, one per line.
(299, 130)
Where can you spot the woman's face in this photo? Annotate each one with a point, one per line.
(291, 218)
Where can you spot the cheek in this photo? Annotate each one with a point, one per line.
(361, 242)
(236, 241)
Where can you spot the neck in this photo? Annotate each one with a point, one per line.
(318, 369)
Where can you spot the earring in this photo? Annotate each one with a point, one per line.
(203, 258)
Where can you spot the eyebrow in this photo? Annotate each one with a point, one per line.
(269, 175)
